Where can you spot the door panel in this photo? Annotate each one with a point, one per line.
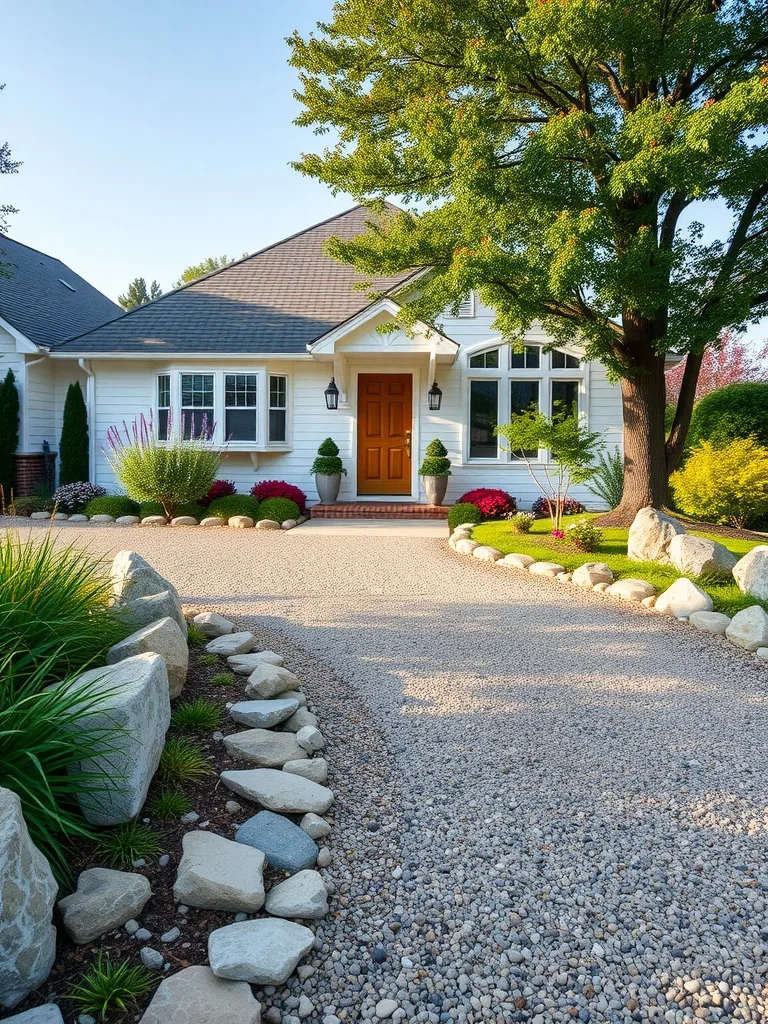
(383, 433)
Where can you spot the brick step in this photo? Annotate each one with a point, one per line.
(378, 510)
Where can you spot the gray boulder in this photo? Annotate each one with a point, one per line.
(751, 572)
(104, 899)
(163, 637)
(300, 719)
(136, 707)
(143, 611)
(231, 643)
(263, 952)
(682, 599)
(698, 556)
(650, 535)
(310, 738)
(218, 874)
(213, 624)
(304, 895)
(48, 1013)
(279, 791)
(134, 578)
(244, 664)
(264, 748)
(749, 628)
(315, 826)
(263, 714)
(286, 846)
(196, 996)
(268, 681)
(316, 769)
(27, 894)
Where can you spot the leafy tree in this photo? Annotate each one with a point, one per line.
(9, 434)
(553, 148)
(739, 410)
(206, 266)
(73, 445)
(573, 449)
(137, 294)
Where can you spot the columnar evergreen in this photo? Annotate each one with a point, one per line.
(9, 433)
(73, 446)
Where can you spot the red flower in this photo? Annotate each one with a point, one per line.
(492, 502)
(280, 489)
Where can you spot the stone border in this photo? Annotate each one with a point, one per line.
(210, 522)
(748, 629)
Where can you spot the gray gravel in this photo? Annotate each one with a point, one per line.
(550, 807)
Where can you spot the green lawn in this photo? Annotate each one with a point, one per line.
(613, 551)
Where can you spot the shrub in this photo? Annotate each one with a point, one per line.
(26, 505)
(280, 489)
(571, 507)
(522, 522)
(724, 485)
(234, 505)
(195, 635)
(150, 508)
(435, 462)
(173, 472)
(9, 435)
(738, 410)
(197, 714)
(220, 489)
(492, 502)
(327, 461)
(584, 535)
(73, 444)
(168, 805)
(72, 498)
(108, 986)
(222, 679)
(54, 607)
(194, 509)
(128, 842)
(182, 761)
(278, 509)
(608, 481)
(464, 512)
(115, 505)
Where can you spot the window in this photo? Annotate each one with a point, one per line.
(163, 405)
(240, 406)
(483, 417)
(486, 360)
(565, 398)
(467, 306)
(528, 359)
(562, 361)
(278, 405)
(523, 395)
(197, 409)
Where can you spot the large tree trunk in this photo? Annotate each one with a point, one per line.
(675, 445)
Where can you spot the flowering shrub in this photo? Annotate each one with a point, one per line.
(279, 489)
(584, 535)
(571, 507)
(72, 498)
(521, 522)
(463, 512)
(558, 534)
(724, 485)
(492, 502)
(220, 489)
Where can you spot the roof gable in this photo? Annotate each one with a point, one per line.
(44, 299)
(278, 300)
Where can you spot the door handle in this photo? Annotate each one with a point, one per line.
(408, 442)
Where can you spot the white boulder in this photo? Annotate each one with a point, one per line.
(515, 560)
(132, 577)
(751, 572)
(749, 628)
(268, 681)
(136, 709)
(163, 637)
(263, 714)
(154, 521)
(127, 520)
(315, 768)
(183, 521)
(104, 899)
(27, 894)
(213, 624)
(550, 569)
(279, 791)
(698, 556)
(303, 895)
(710, 622)
(196, 996)
(590, 573)
(262, 952)
(219, 874)
(630, 589)
(465, 546)
(264, 748)
(315, 826)
(682, 599)
(244, 664)
(143, 611)
(487, 553)
(240, 522)
(650, 535)
(212, 521)
(310, 738)
(231, 643)
(267, 524)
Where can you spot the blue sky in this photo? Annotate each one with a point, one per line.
(154, 134)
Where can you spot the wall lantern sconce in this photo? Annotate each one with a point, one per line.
(435, 396)
(332, 395)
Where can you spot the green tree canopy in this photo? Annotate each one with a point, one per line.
(138, 295)
(73, 444)
(558, 153)
(206, 266)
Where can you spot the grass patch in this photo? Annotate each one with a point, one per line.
(222, 679)
(208, 659)
(200, 713)
(539, 544)
(195, 635)
(169, 805)
(128, 842)
(109, 986)
(182, 761)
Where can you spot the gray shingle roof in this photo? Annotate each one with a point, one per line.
(34, 300)
(277, 301)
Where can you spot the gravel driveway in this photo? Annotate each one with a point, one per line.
(551, 807)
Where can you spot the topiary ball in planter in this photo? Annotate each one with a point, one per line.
(464, 512)
(327, 470)
(235, 505)
(435, 470)
(278, 509)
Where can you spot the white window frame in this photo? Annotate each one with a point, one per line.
(278, 408)
(162, 408)
(544, 375)
(466, 308)
(234, 408)
(181, 408)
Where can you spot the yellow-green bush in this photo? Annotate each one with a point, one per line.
(724, 485)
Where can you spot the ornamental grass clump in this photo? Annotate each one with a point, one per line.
(174, 472)
(111, 987)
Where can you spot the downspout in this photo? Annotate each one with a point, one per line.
(90, 397)
(25, 396)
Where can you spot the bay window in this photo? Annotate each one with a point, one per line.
(240, 406)
(197, 408)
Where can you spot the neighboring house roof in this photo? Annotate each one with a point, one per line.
(278, 300)
(44, 299)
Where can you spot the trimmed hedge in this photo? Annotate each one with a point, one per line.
(278, 509)
(112, 505)
(464, 512)
(234, 505)
(738, 410)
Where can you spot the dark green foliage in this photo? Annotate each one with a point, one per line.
(221, 679)
(9, 434)
(608, 481)
(234, 505)
(169, 805)
(73, 445)
(138, 294)
(464, 512)
(435, 462)
(327, 461)
(109, 987)
(150, 508)
(112, 505)
(195, 635)
(128, 842)
(207, 658)
(278, 509)
(192, 509)
(197, 714)
(739, 410)
(182, 761)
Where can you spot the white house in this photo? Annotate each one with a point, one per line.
(253, 347)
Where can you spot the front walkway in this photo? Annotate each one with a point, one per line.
(551, 807)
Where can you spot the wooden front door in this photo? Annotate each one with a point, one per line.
(384, 433)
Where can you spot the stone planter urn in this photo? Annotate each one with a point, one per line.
(435, 488)
(328, 487)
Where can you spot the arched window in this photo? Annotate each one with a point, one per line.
(502, 382)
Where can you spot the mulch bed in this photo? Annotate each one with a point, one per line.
(207, 797)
